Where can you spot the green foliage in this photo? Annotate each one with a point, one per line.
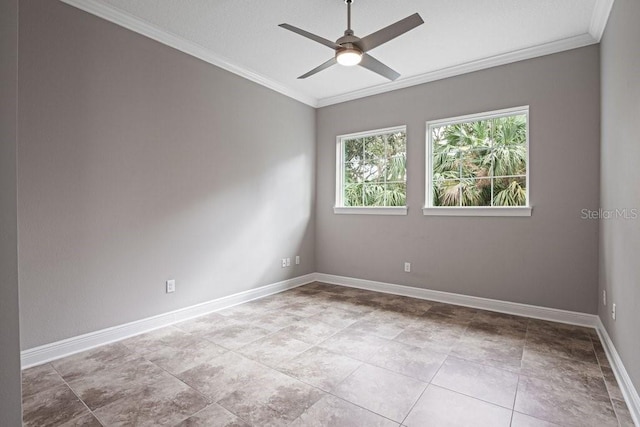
(375, 170)
(480, 163)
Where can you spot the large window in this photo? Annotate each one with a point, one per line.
(372, 172)
(478, 165)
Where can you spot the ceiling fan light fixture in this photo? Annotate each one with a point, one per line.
(349, 56)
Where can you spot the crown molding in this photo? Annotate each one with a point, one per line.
(139, 26)
(596, 29)
(469, 67)
(599, 18)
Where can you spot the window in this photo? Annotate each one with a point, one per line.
(478, 165)
(371, 172)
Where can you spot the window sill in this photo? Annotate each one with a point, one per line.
(480, 211)
(367, 210)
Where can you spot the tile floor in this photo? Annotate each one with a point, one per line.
(323, 355)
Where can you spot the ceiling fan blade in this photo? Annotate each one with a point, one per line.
(319, 68)
(371, 63)
(382, 36)
(313, 37)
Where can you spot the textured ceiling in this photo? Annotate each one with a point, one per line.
(458, 36)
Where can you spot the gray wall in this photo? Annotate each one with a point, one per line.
(620, 175)
(10, 409)
(549, 259)
(137, 164)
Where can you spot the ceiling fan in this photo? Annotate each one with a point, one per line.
(352, 50)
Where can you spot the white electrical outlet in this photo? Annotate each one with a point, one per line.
(407, 267)
(288, 262)
(284, 262)
(171, 286)
(297, 259)
(613, 311)
(604, 297)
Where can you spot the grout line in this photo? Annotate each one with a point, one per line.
(76, 395)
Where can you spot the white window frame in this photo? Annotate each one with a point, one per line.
(339, 207)
(431, 210)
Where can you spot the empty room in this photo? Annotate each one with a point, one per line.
(350, 213)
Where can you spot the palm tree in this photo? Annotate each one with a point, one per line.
(481, 163)
(375, 170)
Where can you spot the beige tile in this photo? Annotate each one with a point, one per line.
(560, 330)
(337, 317)
(164, 403)
(453, 311)
(383, 392)
(168, 337)
(272, 399)
(86, 420)
(581, 375)
(89, 362)
(311, 331)
(275, 320)
(408, 360)
(274, 349)
(623, 413)
(600, 353)
(207, 323)
(353, 344)
(223, 375)
(108, 385)
(434, 332)
(522, 420)
(497, 351)
(320, 368)
(333, 412)
(612, 384)
(236, 336)
(554, 401)
(439, 407)
(181, 359)
(304, 307)
(213, 415)
(500, 320)
(376, 327)
(482, 382)
(52, 406)
(571, 348)
(39, 378)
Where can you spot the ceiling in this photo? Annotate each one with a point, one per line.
(458, 36)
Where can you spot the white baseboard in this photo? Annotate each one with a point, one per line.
(536, 312)
(56, 350)
(629, 392)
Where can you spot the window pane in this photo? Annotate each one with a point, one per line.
(374, 194)
(446, 192)
(510, 191)
(353, 195)
(510, 145)
(475, 192)
(476, 163)
(353, 150)
(396, 194)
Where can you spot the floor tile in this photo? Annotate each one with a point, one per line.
(556, 402)
(275, 320)
(560, 330)
(179, 360)
(581, 375)
(337, 317)
(86, 420)
(434, 332)
(272, 399)
(439, 407)
(311, 331)
(376, 327)
(333, 412)
(320, 368)
(163, 403)
(108, 385)
(408, 360)
(353, 344)
(88, 362)
(482, 382)
(453, 311)
(600, 353)
(571, 348)
(522, 420)
(207, 323)
(383, 392)
(612, 384)
(304, 308)
(39, 378)
(168, 337)
(223, 375)
(213, 415)
(236, 336)
(623, 413)
(500, 320)
(274, 349)
(53, 406)
(497, 351)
